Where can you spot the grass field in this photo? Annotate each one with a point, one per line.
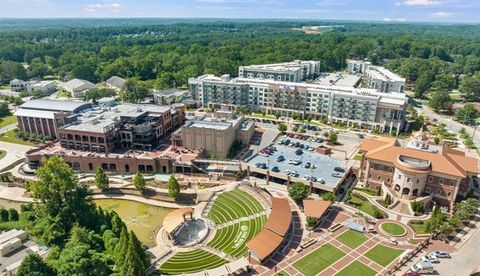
(232, 239)
(318, 260)
(383, 255)
(393, 228)
(8, 120)
(233, 205)
(9, 137)
(356, 268)
(419, 228)
(189, 262)
(352, 239)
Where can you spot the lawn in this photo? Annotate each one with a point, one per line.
(233, 205)
(190, 262)
(7, 120)
(9, 137)
(352, 239)
(364, 205)
(419, 228)
(393, 228)
(383, 255)
(356, 268)
(281, 273)
(318, 260)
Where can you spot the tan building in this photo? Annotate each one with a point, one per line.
(214, 133)
(416, 172)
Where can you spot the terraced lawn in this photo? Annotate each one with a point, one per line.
(383, 255)
(352, 239)
(232, 239)
(318, 260)
(189, 262)
(356, 268)
(233, 205)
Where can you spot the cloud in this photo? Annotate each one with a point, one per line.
(398, 19)
(331, 3)
(110, 7)
(441, 14)
(421, 2)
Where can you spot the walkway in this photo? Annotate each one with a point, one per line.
(15, 153)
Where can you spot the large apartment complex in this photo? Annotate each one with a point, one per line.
(214, 133)
(377, 77)
(415, 172)
(295, 71)
(364, 107)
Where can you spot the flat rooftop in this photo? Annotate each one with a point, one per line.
(338, 79)
(285, 66)
(208, 121)
(380, 72)
(55, 105)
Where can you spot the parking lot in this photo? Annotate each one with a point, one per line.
(322, 169)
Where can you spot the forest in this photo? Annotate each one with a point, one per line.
(164, 54)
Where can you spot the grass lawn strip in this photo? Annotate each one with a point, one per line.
(8, 120)
(193, 261)
(393, 228)
(383, 255)
(251, 201)
(352, 239)
(318, 260)
(246, 202)
(356, 268)
(9, 137)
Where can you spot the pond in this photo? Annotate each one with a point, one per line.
(141, 218)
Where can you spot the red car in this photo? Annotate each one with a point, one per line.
(411, 273)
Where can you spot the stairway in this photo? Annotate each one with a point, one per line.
(402, 207)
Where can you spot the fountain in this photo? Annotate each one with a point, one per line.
(191, 232)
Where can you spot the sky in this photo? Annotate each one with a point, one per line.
(372, 10)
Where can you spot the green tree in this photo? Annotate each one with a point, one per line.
(139, 182)
(332, 137)
(3, 215)
(467, 115)
(101, 179)
(298, 191)
(121, 249)
(133, 263)
(173, 187)
(33, 265)
(470, 88)
(282, 127)
(329, 197)
(133, 91)
(12, 214)
(310, 222)
(440, 101)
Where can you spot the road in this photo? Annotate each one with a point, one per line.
(451, 124)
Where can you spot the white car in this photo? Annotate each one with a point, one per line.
(430, 258)
(440, 254)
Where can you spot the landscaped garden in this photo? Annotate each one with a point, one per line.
(318, 260)
(231, 239)
(393, 228)
(383, 255)
(233, 205)
(189, 262)
(419, 227)
(352, 239)
(10, 137)
(366, 206)
(356, 268)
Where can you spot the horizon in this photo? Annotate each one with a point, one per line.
(397, 11)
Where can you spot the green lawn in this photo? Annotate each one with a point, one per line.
(8, 120)
(232, 239)
(363, 205)
(190, 262)
(419, 228)
(281, 273)
(233, 205)
(383, 255)
(358, 157)
(393, 228)
(9, 137)
(356, 268)
(352, 239)
(318, 260)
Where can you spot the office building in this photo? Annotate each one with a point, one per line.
(78, 87)
(296, 71)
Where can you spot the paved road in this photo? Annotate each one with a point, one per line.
(463, 262)
(451, 124)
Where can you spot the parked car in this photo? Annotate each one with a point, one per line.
(313, 178)
(280, 158)
(410, 273)
(299, 152)
(440, 254)
(321, 181)
(272, 148)
(336, 174)
(261, 165)
(306, 177)
(339, 169)
(297, 144)
(431, 258)
(302, 146)
(422, 267)
(307, 165)
(275, 169)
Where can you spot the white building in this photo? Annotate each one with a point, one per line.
(115, 83)
(357, 66)
(296, 71)
(29, 86)
(78, 87)
(383, 80)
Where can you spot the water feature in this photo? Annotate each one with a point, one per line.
(141, 218)
(191, 232)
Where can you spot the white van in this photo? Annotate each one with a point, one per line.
(422, 267)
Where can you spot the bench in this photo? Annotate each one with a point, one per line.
(335, 227)
(308, 243)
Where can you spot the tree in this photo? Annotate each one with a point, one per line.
(173, 187)
(310, 222)
(101, 179)
(33, 265)
(139, 181)
(12, 214)
(133, 263)
(121, 249)
(298, 191)
(282, 127)
(423, 83)
(467, 114)
(133, 91)
(295, 128)
(3, 215)
(332, 137)
(441, 101)
(329, 197)
(277, 114)
(470, 88)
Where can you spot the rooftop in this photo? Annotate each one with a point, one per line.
(380, 72)
(286, 66)
(55, 105)
(338, 79)
(78, 83)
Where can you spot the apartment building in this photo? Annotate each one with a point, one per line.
(415, 172)
(17, 85)
(383, 80)
(364, 107)
(357, 66)
(296, 71)
(214, 133)
(44, 116)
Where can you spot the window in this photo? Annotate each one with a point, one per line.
(438, 191)
(452, 182)
(379, 178)
(388, 180)
(408, 179)
(441, 181)
(418, 180)
(428, 190)
(449, 194)
(390, 169)
(380, 168)
(370, 176)
(430, 179)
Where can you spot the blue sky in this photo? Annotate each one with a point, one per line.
(377, 10)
